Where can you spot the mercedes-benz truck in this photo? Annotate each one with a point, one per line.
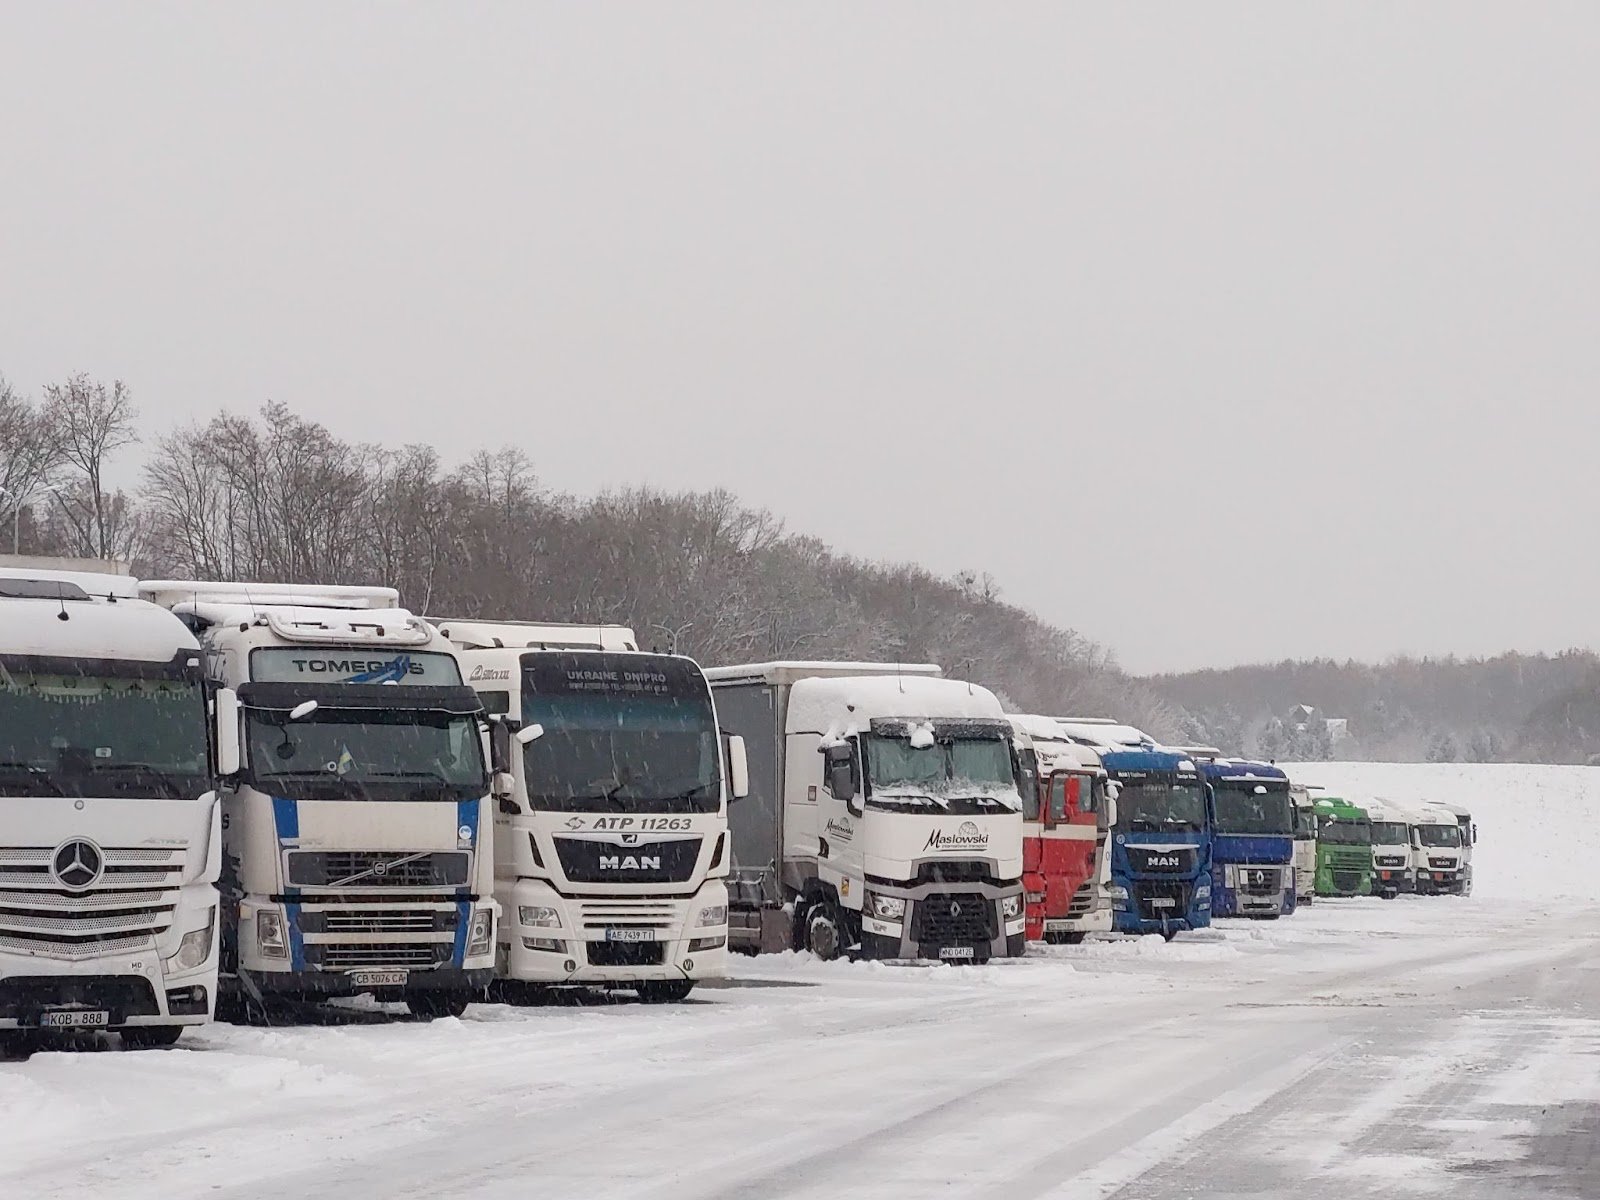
(884, 816)
(611, 823)
(358, 853)
(109, 831)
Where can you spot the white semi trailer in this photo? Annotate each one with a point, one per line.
(612, 807)
(109, 832)
(358, 849)
(883, 817)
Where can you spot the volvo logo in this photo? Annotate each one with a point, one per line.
(380, 868)
(77, 864)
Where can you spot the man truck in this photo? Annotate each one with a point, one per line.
(1344, 848)
(611, 825)
(357, 850)
(884, 816)
(1392, 869)
(110, 851)
(1066, 818)
(1161, 844)
(1439, 852)
(1252, 849)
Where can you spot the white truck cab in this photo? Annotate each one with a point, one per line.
(109, 833)
(1469, 839)
(358, 850)
(1393, 871)
(1439, 852)
(612, 788)
(884, 816)
(1305, 843)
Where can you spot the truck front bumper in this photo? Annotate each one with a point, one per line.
(966, 922)
(134, 987)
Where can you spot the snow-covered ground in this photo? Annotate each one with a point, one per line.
(1361, 1048)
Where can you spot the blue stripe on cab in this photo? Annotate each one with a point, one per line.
(286, 816)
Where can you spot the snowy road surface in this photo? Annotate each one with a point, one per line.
(1361, 1048)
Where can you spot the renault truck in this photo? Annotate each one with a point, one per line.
(110, 845)
(357, 850)
(611, 820)
(1067, 813)
(1252, 871)
(1161, 844)
(884, 818)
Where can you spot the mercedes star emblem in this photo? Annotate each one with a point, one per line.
(77, 864)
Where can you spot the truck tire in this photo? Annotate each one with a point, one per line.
(825, 930)
(150, 1037)
(665, 991)
(1072, 937)
(429, 1005)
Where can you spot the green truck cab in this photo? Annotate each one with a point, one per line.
(1344, 848)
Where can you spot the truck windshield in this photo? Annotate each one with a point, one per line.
(1073, 795)
(366, 754)
(1341, 832)
(949, 766)
(102, 735)
(1242, 809)
(1390, 833)
(1440, 835)
(1305, 823)
(623, 733)
(1155, 806)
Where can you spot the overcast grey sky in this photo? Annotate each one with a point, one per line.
(1218, 332)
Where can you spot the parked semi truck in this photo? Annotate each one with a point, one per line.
(1344, 848)
(1439, 852)
(357, 847)
(1067, 814)
(1469, 838)
(1392, 869)
(1252, 851)
(1305, 844)
(1161, 844)
(884, 815)
(109, 832)
(611, 831)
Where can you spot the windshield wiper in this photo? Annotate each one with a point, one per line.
(35, 773)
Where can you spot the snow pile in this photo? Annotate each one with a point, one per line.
(1538, 826)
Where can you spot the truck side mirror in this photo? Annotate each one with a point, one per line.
(738, 768)
(499, 746)
(529, 734)
(1111, 811)
(228, 755)
(841, 779)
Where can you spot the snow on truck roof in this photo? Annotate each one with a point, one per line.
(1105, 732)
(169, 593)
(820, 703)
(295, 612)
(1239, 768)
(797, 669)
(105, 625)
(534, 635)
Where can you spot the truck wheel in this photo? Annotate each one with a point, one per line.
(429, 1005)
(665, 991)
(150, 1037)
(1169, 934)
(825, 931)
(1073, 937)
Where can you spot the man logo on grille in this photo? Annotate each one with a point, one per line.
(78, 864)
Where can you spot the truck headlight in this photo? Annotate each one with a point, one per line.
(1203, 892)
(195, 947)
(887, 908)
(1116, 892)
(270, 937)
(712, 914)
(1011, 907)
(480, 934)
(539, 915)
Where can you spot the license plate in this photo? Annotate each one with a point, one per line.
(955, 952)
(630, 935)
(379, 978)
(1163, 902)
(74, 1020)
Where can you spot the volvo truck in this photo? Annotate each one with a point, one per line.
(1252, 863)
(1393, 871)
(884, 817)
(1344, 848)
(110, 845)
(611, 822)
(1305, 844)
(1067, 813)
(357, 849)
(1439, 852)
(1161, 844)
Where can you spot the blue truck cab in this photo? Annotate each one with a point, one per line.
(1252, 843)
(1161, 843)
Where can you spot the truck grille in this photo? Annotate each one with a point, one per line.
(122, 995)
(338, 956)
(1260, 881)
(1149, 892)
(379, 869)
(1346, 881)
(954, 919)
(629, 914)
(348, 919)
(127, 905)
(625, 954)
(1442, 864)
(1390, 860)
(587, 861)
(1082, 901)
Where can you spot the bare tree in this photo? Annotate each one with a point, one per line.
(88, 424)
(29, 457)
